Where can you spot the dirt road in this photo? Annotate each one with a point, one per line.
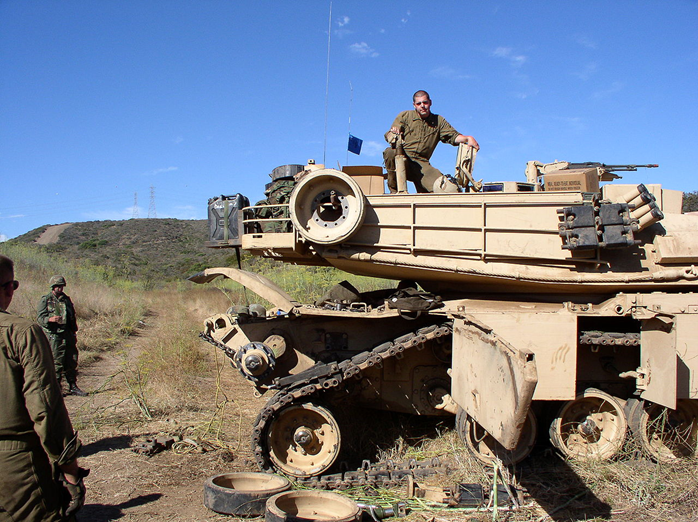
(124, 485)
(50, 235)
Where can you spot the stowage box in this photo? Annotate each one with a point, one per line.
(578, 180)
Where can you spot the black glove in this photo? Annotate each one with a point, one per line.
(73, 494)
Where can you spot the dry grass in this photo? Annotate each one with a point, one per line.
(106, 314)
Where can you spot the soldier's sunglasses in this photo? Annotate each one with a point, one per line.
(15, 284)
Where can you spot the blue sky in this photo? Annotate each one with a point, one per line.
(102, 100)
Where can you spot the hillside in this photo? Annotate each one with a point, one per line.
(136, 249)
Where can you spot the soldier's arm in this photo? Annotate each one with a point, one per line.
(447, 134)
(73, 317)
(395, 128)
(43, 396)
(42, 313)
(468, 140)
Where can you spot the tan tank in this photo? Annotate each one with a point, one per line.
(549, 303)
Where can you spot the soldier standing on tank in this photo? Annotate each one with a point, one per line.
(56, 314)
(35, 430)
(421, 131)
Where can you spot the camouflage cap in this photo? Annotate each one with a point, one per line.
(56, 280)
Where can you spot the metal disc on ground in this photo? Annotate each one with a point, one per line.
(307, 505)
(242, 493)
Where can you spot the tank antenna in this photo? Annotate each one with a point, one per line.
(351, 104)
(327, 82)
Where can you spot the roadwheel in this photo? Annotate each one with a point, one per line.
(243, 494)
(591, 426)
(303, 440)
(327, 207)
(665, 434)
(486, 448)
(309, 505)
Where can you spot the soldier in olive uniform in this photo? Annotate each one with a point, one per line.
(35, 430)
(421, 131)
(56, 314)
(278, 193)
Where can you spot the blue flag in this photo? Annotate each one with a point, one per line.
(355, 144)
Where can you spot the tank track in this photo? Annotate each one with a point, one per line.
(599, 338)
(384, 474)
(325, 376)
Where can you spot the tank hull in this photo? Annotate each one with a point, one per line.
(568, 306)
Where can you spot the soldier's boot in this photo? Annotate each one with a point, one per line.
(74, 390)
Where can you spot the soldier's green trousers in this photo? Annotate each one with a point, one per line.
(65, 355)
(419, 172)
(28, 492)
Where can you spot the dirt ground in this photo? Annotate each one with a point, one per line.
(125, 485)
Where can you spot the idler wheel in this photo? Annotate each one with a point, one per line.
(242, 494)
(307, 505)
(303, 440)
(486, 448)
(591, 426)
(665, 435)
(327, 207)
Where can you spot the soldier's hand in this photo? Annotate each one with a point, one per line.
(75, 492)
(55, 319)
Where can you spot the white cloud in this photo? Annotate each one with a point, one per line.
(516, 60)
(363, 49)
(573, 123)
(185, 212)
(160, 171)
(522, 95)
(372, 148)
(612, 89)
(13, 216)
(341, 22)
(585, 41)
(115, 215)
(3, 238)
(178, 212)
(448, 73)
(177, 140)
(405, 18)
(587, 72)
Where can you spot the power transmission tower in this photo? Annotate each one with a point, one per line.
(152, 213)
(135, 206)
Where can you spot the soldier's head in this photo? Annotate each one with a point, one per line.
(57, 283)
(8, 285)
(422, 103)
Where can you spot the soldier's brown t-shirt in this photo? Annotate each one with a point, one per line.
(421, 136)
